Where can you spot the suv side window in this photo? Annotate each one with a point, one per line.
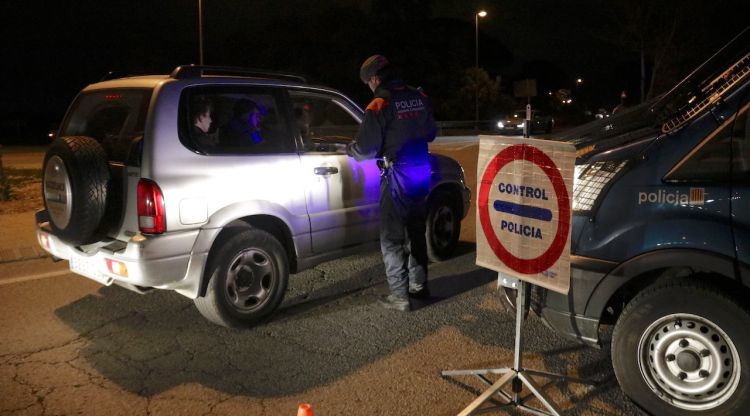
(322, 121)
(725, 153)
(235, 120)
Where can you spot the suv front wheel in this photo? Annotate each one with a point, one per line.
(248, 278)
(443, 225)
(681, 348)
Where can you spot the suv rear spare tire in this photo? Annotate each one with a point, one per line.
(75, 183)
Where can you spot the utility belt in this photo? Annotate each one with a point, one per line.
(408, 183)
(385, 164)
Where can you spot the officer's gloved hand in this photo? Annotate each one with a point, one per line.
(356, 153)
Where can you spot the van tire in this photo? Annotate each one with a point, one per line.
(679, 348)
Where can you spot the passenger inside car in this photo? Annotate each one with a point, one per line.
(245, 125)
(201, 111)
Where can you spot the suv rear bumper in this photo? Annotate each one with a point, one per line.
(141, 262)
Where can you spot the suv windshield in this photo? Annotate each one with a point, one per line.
(713, 79)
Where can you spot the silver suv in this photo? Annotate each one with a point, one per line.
(135, 194)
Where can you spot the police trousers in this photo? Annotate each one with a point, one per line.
(402, 242)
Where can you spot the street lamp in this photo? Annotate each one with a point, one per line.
(200, 31)
(477, 15)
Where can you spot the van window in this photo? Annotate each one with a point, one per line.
(722, 156)
(741, 147)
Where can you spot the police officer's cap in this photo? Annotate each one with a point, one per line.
(371, 66)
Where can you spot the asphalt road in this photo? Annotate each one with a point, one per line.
(71, 346)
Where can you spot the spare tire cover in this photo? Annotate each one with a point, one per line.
(75, 183)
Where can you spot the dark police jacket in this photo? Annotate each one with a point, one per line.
(398, 125)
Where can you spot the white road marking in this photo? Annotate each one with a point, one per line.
(28, 278)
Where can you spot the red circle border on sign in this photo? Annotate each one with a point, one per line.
(539, 158)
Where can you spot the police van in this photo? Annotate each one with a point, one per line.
(660, 242)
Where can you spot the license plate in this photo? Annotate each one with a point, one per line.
(88, 267)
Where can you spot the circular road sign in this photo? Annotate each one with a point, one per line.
(545, 260)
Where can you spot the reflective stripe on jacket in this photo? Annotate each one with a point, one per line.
(398, 125)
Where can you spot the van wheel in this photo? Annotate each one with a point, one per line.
(248, 278)
(681, 348)
(443, 225)
(75, 186)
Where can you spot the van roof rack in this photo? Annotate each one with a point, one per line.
(198, 71)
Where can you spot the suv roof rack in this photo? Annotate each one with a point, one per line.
(119, 74)
(198, 71)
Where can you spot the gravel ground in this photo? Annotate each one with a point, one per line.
(22, 169)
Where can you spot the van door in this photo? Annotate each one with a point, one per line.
(741, 188)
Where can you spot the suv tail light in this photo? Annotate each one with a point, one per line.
(151, 217)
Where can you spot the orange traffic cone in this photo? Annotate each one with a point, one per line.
(305, 409)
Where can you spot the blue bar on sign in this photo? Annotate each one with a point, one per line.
(521, 210)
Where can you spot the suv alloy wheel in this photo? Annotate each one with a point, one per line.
(443, 225)
(248, 278)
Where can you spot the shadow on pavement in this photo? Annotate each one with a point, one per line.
(328, 328)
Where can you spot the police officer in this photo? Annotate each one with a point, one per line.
(398, 125)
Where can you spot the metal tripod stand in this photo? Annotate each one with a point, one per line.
(517, 376)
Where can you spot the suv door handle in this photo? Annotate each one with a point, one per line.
(326, 170)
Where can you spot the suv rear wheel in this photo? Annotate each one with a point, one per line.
(248, 278)
(443, 225)
(681, 348)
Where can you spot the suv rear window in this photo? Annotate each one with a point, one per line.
(115, 118)
(106, 114)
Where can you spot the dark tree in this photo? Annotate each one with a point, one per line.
(670, 37)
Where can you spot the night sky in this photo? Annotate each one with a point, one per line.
(52, 49)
